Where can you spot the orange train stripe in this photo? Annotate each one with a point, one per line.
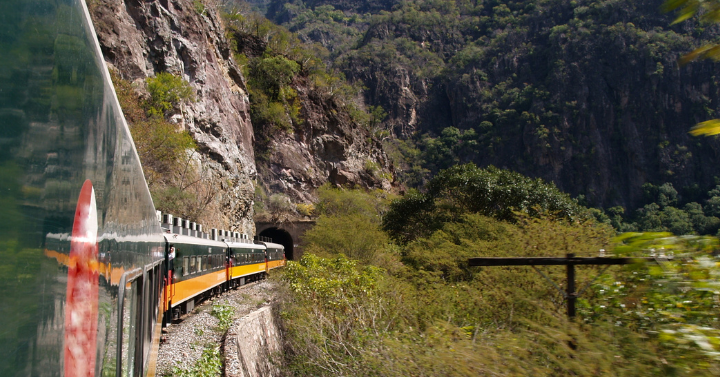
(189, 288)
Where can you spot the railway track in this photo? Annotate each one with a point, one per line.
(186, 339)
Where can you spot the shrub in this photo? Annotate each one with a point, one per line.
(468, 189)
(224, 314)
(166, 92)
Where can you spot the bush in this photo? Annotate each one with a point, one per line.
(462, 189)
(224, 314)
(166, 92)
(209, 365)
(348, 224)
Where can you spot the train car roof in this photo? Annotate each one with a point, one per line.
(244, 245)
(187, 240)
(110, 237)
(274, 245)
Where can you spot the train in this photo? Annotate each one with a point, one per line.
(203, 264)
(89, 270)
(190, 266)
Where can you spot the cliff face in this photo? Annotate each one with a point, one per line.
(327, 147)
(142, 38)
(586, 94)
(323, 143)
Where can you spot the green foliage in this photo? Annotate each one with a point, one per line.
(436, 316)
(273, 74)
(666, 213)
(278, 69)
(199, 7)
(469, 189)
(447, 150)
(673, 301)
(305, 209)
(209, 365)
(161, 148)
(166, 92)
(224, 314)
(334, 311)
(338, 202)
(280, 203)
(349, 224)
(259, 200)
(165, 151)
(407, 158)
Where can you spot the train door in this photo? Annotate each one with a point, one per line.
(228, 268)
(168, 283)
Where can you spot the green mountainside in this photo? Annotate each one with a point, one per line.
(586, 94)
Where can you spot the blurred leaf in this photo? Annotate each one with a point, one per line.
(706, 128)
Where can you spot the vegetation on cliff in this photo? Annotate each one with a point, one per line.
(310, 124)
(586, 94)
(166, 151)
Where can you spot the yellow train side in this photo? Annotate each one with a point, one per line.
(187, 289)
(247, 269)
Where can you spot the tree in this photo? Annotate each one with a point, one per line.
(465, 189)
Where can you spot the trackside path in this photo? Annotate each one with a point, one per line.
(185, 341)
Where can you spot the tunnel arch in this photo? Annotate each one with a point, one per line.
(283, 237)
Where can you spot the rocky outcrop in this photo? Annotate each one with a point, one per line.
(141, 38)
(326, 147)
(256, 345)
(324, 144)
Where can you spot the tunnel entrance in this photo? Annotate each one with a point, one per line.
(282, 237)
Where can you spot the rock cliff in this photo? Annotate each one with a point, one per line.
(586, 94)
(141, 38)
(326, 147)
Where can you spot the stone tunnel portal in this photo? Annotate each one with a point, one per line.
(282, 237)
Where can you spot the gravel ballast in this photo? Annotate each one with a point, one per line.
(185, 341)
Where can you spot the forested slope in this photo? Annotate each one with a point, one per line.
(587, 94)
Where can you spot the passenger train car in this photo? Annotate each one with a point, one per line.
(87, 270)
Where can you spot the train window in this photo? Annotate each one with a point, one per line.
(205, 263)
(192, 265)
(186, 266)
